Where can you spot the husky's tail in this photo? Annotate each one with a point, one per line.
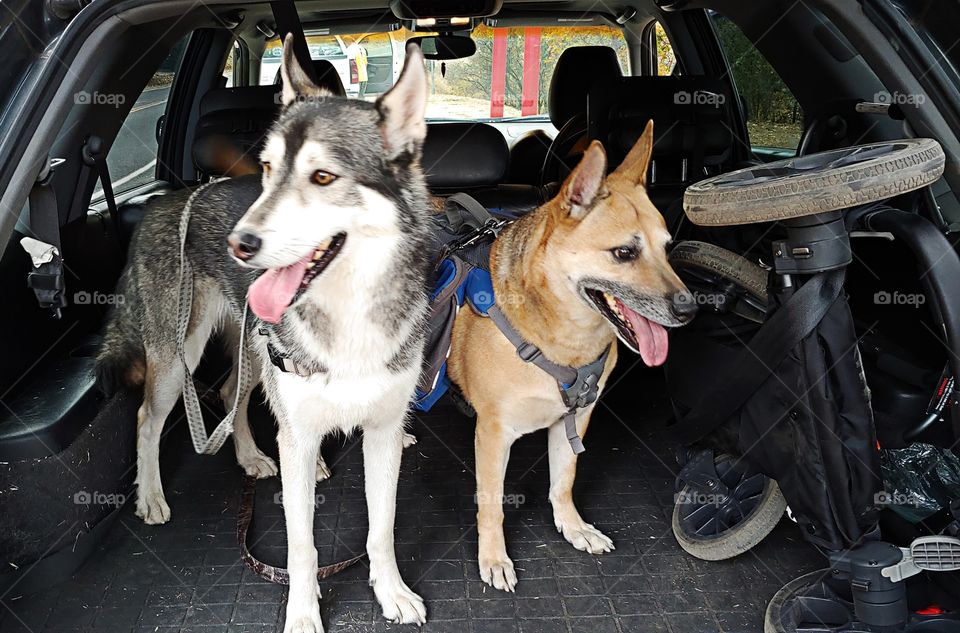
(121, 361)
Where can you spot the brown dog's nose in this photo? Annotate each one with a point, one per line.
(244, 245)
(683, 306)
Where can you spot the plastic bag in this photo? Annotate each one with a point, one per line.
(919, 480)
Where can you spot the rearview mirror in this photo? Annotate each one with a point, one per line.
(443, 47)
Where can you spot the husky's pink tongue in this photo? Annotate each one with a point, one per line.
(651, 337)
(273, 291)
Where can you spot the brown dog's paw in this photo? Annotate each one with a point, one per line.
(498, 573)
(587, 538)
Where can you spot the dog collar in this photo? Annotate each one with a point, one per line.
(286, 364)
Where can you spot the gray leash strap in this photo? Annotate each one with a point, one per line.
(578, 387)
(203, 444)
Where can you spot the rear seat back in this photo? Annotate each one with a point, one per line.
(692, 129)
(474, 158)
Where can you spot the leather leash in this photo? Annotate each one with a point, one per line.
(270, 573)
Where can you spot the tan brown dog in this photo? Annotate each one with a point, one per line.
(572, 276)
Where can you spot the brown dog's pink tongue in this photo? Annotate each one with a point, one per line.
(652, 337)
(273, 291)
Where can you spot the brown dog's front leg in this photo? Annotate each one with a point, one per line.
(492, 446)
(563, 472)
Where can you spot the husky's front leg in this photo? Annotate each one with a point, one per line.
(298, 464)
(382, 448)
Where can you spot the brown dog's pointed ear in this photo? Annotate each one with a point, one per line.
(403, 108)
(296, 82)
(635, 166)
(586, 183)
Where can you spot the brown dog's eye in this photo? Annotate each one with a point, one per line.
(625, 253)
(266, 168)
(322, 178)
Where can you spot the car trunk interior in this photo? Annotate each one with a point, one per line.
(69, 564)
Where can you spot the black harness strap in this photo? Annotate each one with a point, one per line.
(794, 321)
(579, 387)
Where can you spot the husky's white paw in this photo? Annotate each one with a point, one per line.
(258, 465)
(304, 624)
(323, 471)
(409, 439)
(586, 538)
(400, 605)
(498, 572)
(152, 508)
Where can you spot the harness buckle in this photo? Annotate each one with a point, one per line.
(527, 352)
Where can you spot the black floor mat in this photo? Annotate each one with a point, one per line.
(187, 575)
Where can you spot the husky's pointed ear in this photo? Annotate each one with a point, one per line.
(585, 184)
(635, 166)
(296, 82)
(403, 108)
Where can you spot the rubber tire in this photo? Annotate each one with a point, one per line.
(727, 264)
(912, 167)
(772, 622)
(741, 537)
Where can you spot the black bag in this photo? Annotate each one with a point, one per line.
(792, 399)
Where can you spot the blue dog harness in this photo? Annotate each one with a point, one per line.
(578, 386)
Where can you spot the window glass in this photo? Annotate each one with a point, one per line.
(666, 60)
(774, 118)
(228, 67)
(507, 78)
(132, 159)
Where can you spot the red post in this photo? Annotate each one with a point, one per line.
(498, 75)
(531, 71)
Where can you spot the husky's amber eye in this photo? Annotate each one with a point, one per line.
(625, 253)
(266, 168)
(322, 178)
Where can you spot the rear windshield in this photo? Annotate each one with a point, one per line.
(508, 77)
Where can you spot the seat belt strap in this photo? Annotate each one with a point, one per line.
(46, 279)
(477, 212)
(288, 21)
(95, 158)
(782, 332)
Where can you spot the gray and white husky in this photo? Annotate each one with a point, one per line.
(331, 251)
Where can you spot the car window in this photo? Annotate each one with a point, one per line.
(666, 59)
(132, 159)
(774, 117)
(505, 79)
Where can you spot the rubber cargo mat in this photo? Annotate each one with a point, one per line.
(187, 575)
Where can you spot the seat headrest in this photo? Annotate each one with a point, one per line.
(691, 116)
(464, 155)
(327, 77)
(576, 70)
(240, 115)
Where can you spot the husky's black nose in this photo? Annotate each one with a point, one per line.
(683, 306)
(244, 245)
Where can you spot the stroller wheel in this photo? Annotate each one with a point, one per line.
(717, 527)
(820, 603)
(816, 183)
